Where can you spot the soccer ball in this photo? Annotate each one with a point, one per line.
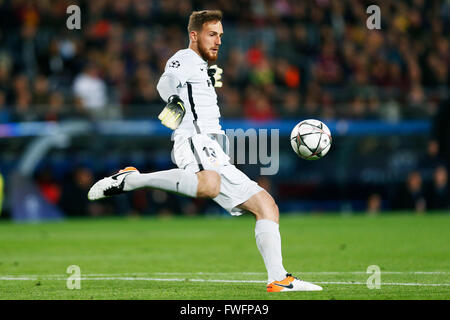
(311, 139)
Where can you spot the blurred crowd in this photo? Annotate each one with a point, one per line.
(425, 189)
(281, 58)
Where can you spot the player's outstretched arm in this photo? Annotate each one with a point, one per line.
(173, 113)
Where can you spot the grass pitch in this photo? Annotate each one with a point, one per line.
(216, 257)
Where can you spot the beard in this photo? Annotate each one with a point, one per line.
(206, 54)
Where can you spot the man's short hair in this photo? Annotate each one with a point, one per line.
(198, 18)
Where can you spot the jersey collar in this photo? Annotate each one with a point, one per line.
(197, 57)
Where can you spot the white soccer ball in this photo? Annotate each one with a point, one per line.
(311, 139)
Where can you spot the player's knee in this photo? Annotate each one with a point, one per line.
(269, 210)
(272, 212)
(263, 206)
(208, 184)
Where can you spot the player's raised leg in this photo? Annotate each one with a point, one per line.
(268, 241)
(111, 185)
(204, 184)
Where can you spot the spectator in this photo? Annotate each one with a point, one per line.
(24, 110)
(416, 106)
(286, 75)
(73, 198)
(373, 108)
(311, 108)
(291, 105)
(257, 106)
(431, 160)
(261, 74)
(163, 203)
(5, 75)
(411, 195)
(236, 70)
(5, 115)
(48, 186)
(143, 90)
(327, 69)
(374, 204)
(41, 91)
(231, 102)
(357, 108)
(91, 90)
(439, 195)
(327, 45)
(55, 110)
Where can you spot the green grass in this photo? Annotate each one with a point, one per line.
(222, 248)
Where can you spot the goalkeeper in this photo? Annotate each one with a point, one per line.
(200, 149)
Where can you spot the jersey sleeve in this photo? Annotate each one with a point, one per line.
(180, 67)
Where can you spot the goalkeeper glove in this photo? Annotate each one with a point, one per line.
(215, 73)
(173, 113)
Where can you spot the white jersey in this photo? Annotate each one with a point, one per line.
(197, 92)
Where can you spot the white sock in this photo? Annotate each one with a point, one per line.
(268, 241)
(175, 180)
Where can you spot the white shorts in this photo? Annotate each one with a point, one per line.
(209, 152)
